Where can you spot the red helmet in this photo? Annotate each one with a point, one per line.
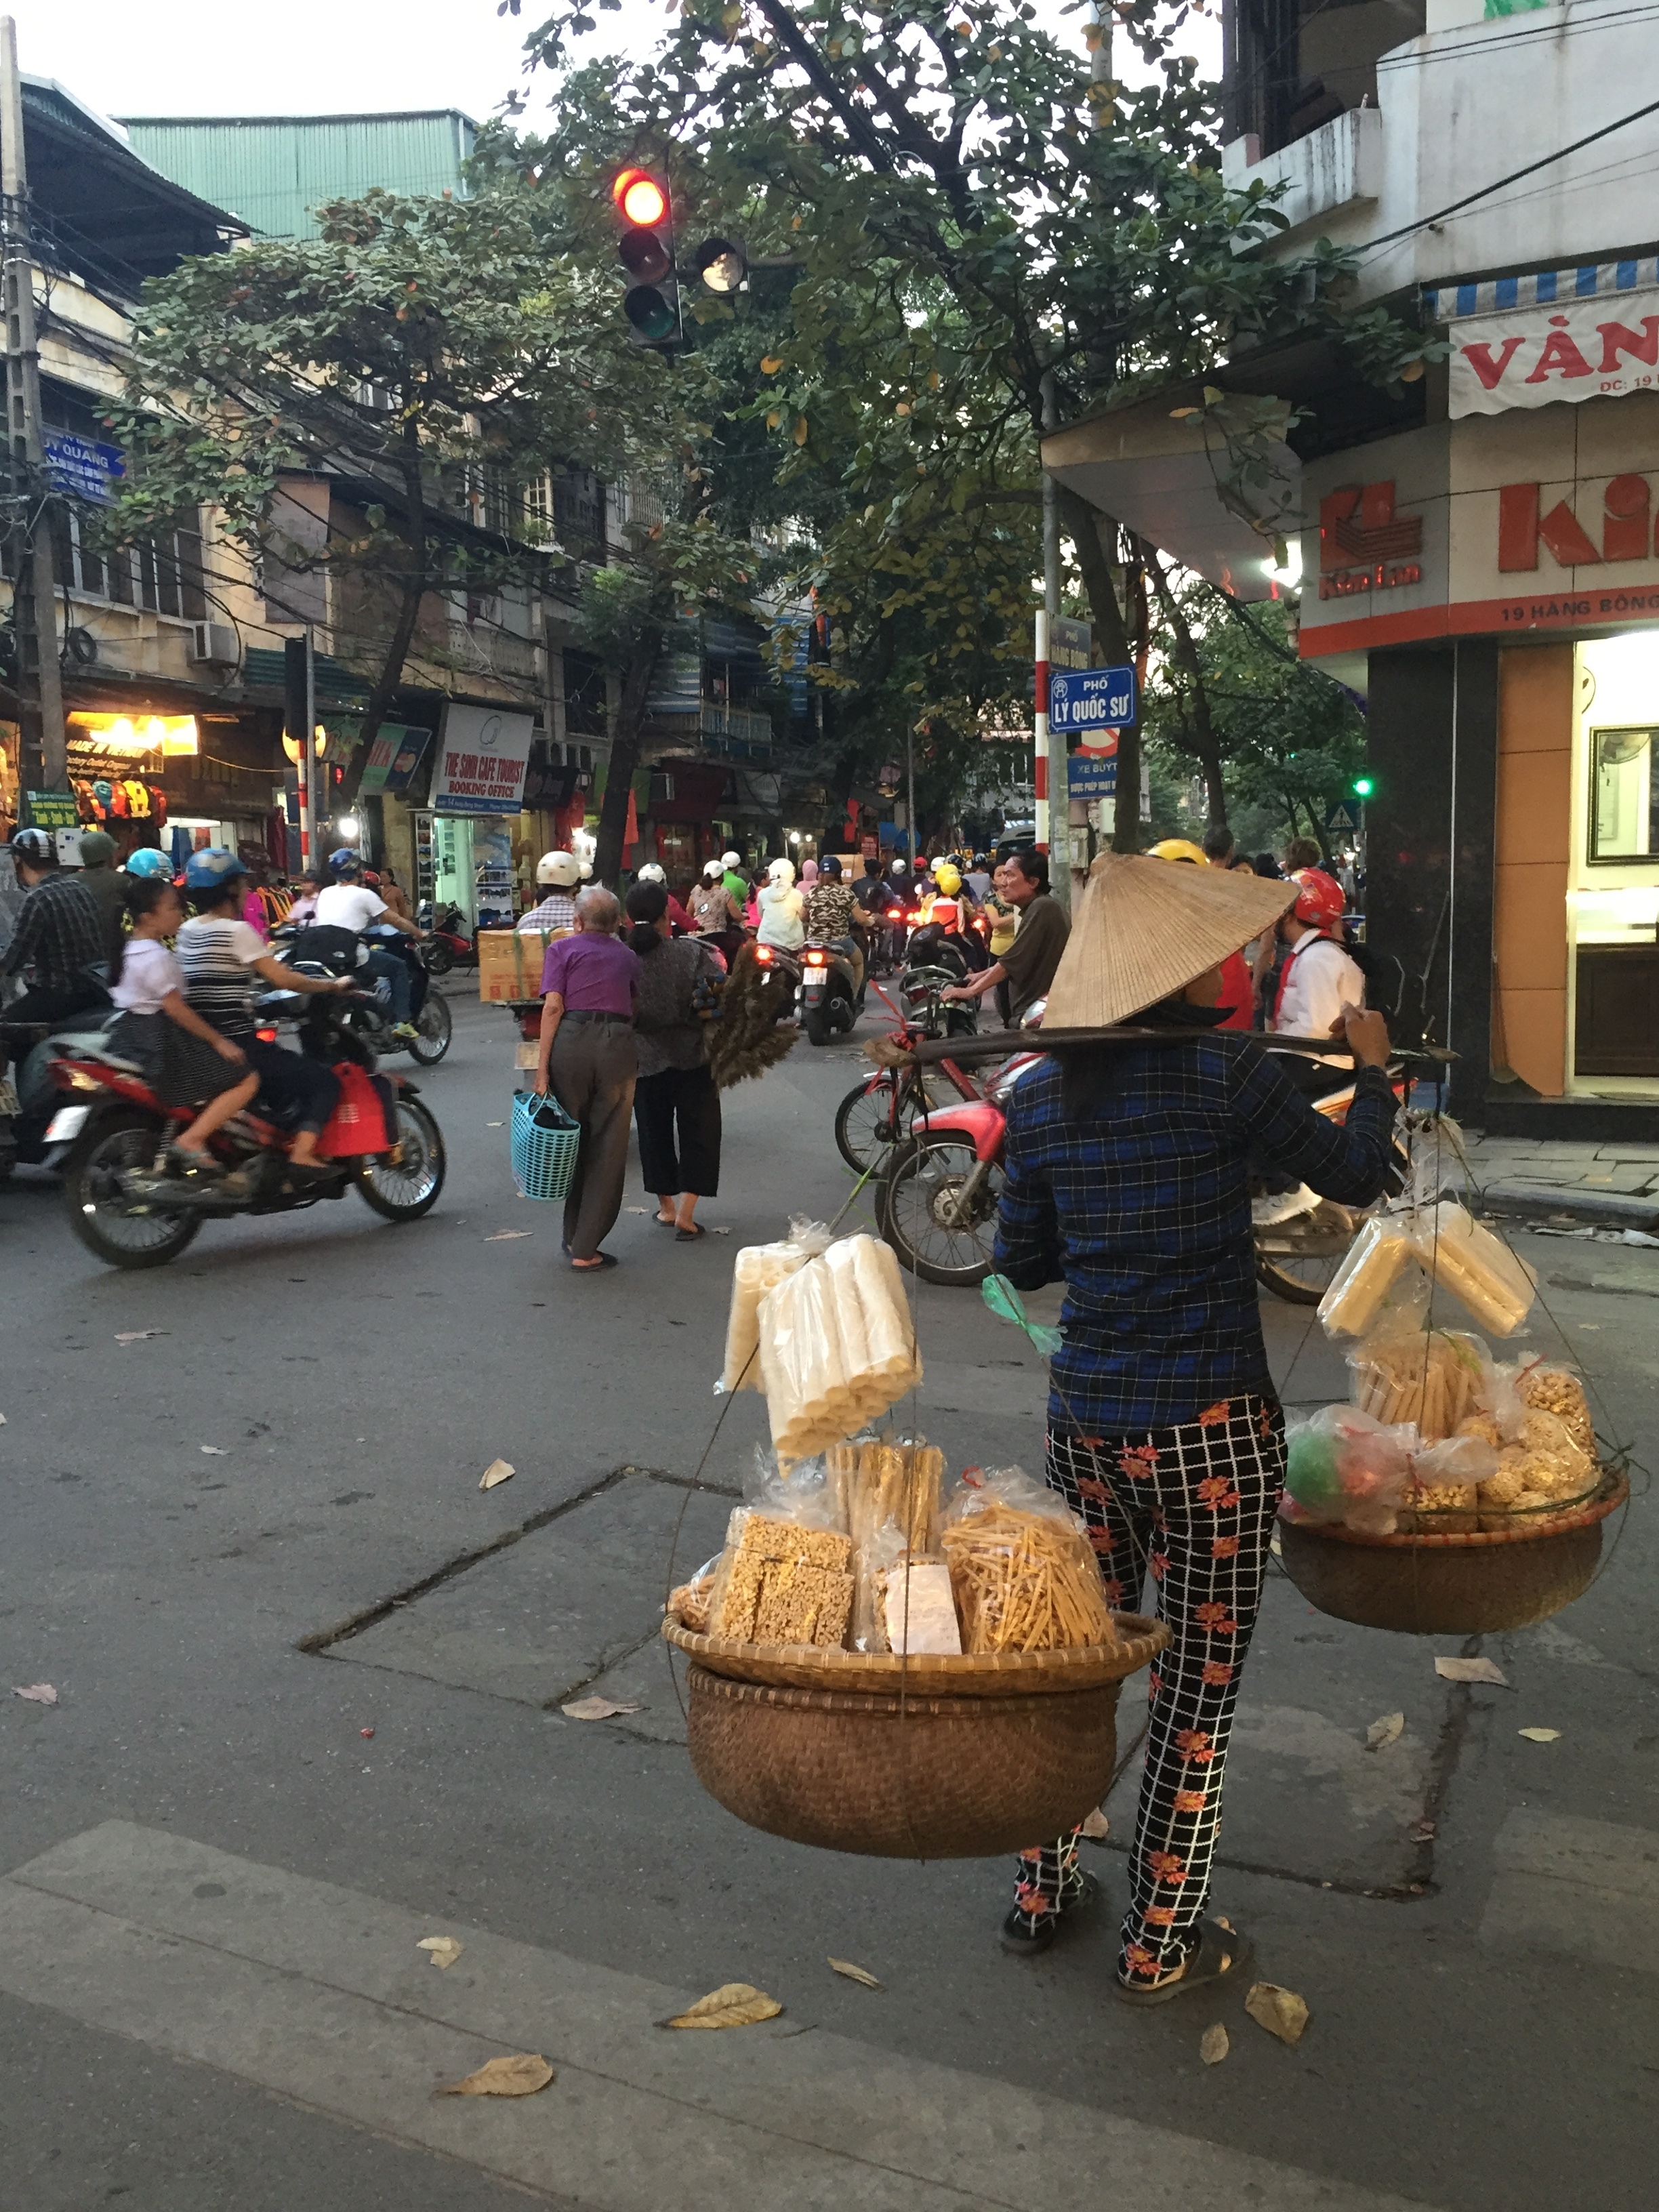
(1322, 901)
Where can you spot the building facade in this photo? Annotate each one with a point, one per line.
(1478, 550)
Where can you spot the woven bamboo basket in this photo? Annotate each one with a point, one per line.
(879, 1759)
(986, 1675)
(1464, 1584)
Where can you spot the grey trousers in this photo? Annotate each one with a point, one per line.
(593, 1069)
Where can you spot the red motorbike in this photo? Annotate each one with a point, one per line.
(938, 1204)
(381, 1141)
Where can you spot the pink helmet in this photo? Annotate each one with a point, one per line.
(1322, 901)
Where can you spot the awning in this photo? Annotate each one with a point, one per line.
(1151, 470)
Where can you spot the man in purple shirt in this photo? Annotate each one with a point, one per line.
(590, 1062)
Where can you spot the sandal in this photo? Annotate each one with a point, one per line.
(689, 1235)
(1026, 1942)
(596, 1266)
(1221, 1952)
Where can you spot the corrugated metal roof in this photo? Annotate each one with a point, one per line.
(272, 170)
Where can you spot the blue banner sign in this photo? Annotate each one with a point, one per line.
(1089, 699)
(83, 468)
(1091, 775)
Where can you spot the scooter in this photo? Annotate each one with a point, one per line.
(831, 995)
(448, 944)
(28, 1097)
(382, 1141)
(325, 951)
(780, 971)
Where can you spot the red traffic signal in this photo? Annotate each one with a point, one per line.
(646, 250)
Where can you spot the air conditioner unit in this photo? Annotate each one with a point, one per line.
(213, 644)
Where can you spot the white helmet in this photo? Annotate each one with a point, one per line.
(782, 872)
(558, 869)
(714, 870)
(652, 873)
(585, 871)
(731, 860)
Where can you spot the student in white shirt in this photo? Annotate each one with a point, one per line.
(347, 904)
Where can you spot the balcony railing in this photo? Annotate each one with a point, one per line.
(725, 733)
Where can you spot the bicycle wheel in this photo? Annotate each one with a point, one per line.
(874, 1117)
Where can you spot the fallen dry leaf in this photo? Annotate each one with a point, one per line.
(722, 1232)
(734, 2004)
(38, 1694)
(444, 1948)
(1471, 1670)
(506, 1235)
(217, 1451)
(1281, 2012)
(499, 1470)
(1541, 1735)
(521, 2075)
(1212, 2044)
(857, 1974)
(495, 1125)
(1381, 1734)
(138, 1335)
(1095, 1826)
(637, 1209)
(596, 1708)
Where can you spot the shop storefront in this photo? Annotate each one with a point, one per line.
(464, 841)
(1492, 582)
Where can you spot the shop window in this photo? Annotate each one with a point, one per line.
(1624, 799)
(584, 695)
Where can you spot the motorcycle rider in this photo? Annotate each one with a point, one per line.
(346, 903)
(654, 872)
(1320, 975)
(558, 875)
(834, 917)
(1317, 980)
(781, 907)
(219, 956)
(61, 943)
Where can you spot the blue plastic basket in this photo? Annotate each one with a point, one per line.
(545, 1141)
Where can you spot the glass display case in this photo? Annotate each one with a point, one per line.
(1613, 896)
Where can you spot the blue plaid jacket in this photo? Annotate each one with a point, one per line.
(1144, 1207)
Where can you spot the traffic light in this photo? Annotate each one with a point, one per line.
(646, 250)
(1361, 787)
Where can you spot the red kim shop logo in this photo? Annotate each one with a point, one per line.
(1364, 545)
(1627, 526)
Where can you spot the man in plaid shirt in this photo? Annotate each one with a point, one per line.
(61, 945)
(1127, 1172)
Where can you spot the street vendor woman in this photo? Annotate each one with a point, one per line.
(1127, 1174)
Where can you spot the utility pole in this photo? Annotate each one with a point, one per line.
(29, 535)
(1053, 833)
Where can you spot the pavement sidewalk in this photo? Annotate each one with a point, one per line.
(1614, 1186)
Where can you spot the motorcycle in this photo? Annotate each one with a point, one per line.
(28, 1098)
(130, 1213)
(830, 995)
(779, 968)
(448, 944)
(938, 1204)
(314, 950)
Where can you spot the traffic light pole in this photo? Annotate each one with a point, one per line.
(45, 762)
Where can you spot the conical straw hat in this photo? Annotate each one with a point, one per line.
(1143, 928)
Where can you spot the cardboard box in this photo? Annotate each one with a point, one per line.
(510, 962)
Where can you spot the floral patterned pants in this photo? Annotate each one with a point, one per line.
(1195, 1504)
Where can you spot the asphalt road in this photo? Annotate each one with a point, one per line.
(235, 1545)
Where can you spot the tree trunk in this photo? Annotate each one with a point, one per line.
(1082, 523)
(415, 583)
(1206, 746)
(625, 758)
